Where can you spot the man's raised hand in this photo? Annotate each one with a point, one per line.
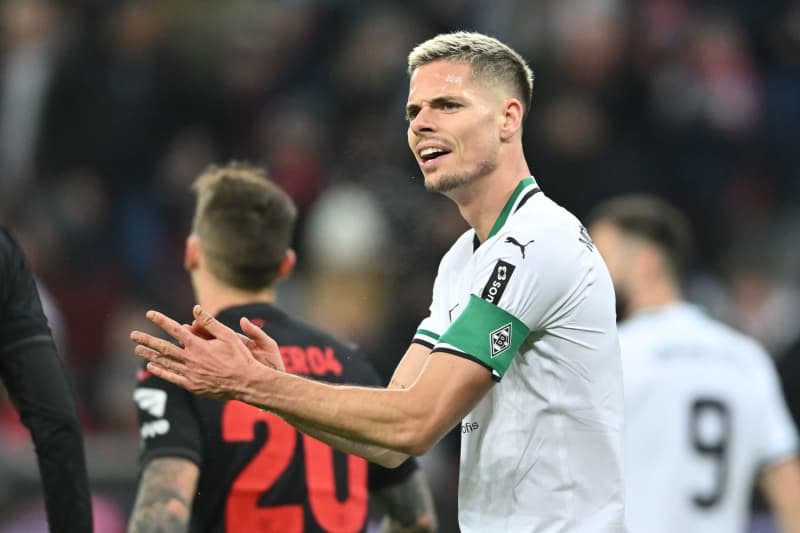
(216, 361)
(261, 345)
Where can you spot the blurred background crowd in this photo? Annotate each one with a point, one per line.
(110, 108)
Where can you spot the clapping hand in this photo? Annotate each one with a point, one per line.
(209, 358)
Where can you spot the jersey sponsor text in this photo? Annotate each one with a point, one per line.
(154, 401)
(496, 285)
(154, 428)
(311, 360)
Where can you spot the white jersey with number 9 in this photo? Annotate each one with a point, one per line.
(703, 414)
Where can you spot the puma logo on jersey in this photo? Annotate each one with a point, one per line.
(515, 242)
(153, 401)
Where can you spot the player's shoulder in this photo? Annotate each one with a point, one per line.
(315, 335)
(319, 354)
(543, 239)
(460, 250)
(689, 323)
(16, 278)
(736, 342)
(744, 348)
(544, 220)
(307, 349)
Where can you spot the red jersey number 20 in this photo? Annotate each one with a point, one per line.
(242, 512)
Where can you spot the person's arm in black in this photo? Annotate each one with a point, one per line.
(34, 377)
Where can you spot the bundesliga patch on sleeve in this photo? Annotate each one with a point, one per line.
(496, 285)
(486, 333)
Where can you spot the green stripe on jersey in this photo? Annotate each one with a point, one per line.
(488, 333)
(501, 220)
(426, 333)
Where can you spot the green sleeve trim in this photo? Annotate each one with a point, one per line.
(490, 334)
(428, 333)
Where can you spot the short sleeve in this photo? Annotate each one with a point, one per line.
(779, 439)
(543, 282)
(168, 425)
(432, 326)
(523, 283)
(380, 477)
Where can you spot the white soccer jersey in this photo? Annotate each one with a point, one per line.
(704, 411)
(535, 305)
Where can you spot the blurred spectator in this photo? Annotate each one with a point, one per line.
(347, 236)
(31, 32)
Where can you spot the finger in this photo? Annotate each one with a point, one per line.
(262, 346)
(162, 346)
(163, 361)
(146, 353)
(254, 333)
(168, 375)
(211, 324)
(197, 329)
(171, 327)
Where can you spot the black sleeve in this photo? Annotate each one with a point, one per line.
(32, 373)
(168, 420)
(380, 477)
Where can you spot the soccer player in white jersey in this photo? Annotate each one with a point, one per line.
(704, 412)
(521, 342)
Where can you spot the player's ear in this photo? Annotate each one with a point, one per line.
(513, 114)
(192, 252)
(287, 264)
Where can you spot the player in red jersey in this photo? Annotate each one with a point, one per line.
(212, 465)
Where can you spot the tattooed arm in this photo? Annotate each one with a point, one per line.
(164, 500)
(408, 505)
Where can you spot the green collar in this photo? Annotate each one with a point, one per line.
(506, 212)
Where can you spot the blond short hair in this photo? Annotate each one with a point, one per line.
(490, 60)
(245, 223)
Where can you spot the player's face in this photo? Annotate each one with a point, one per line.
(453, 126)
(615, 250)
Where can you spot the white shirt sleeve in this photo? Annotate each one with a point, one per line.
(432, 326)
(523, 281)
(550, 276)
(778, 435)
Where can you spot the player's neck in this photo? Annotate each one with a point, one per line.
(655, 295)
(214, 296)
(482, 201)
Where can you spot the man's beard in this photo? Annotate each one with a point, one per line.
(451, 182)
